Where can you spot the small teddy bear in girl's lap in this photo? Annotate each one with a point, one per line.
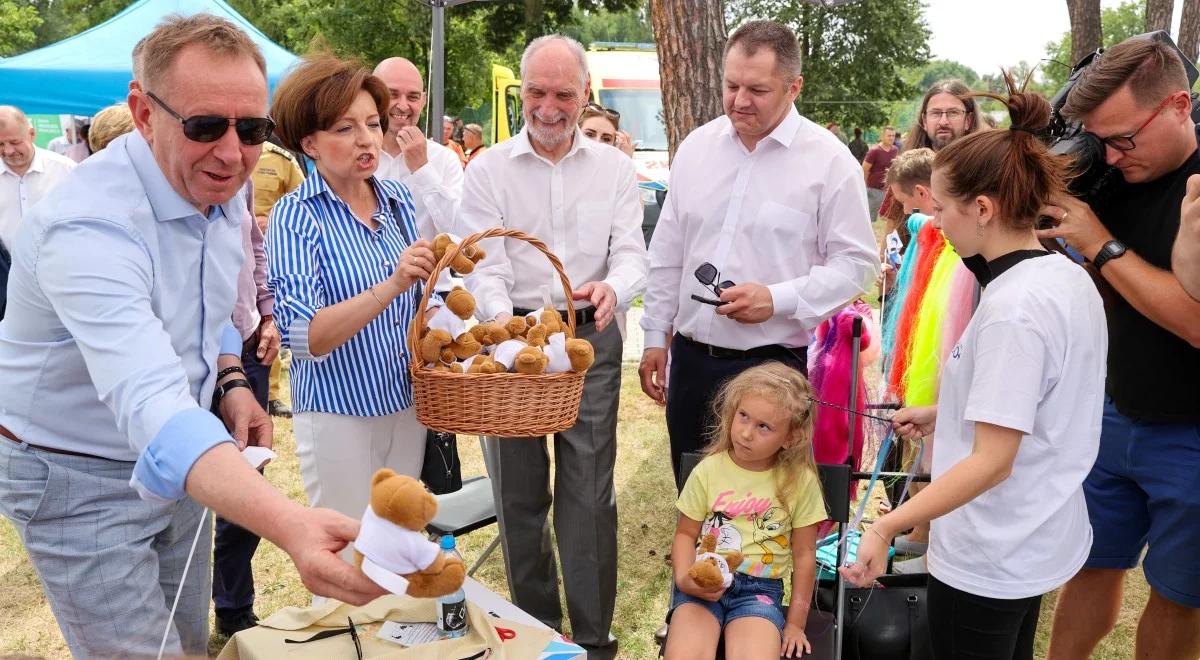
(757, 494)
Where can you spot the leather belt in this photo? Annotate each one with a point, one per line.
(770, 351)
(65, 452)
(582, 316)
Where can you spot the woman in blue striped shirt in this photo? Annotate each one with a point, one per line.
(344, 255)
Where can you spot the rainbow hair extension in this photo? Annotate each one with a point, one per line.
(830, 377)
(930, 245)
(903, 283)
(924, 361)
(960, 305)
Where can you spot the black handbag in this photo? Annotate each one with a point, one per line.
(888, 623)
(442, 471)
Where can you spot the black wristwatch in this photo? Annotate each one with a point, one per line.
(225, 387)
(1109, 251)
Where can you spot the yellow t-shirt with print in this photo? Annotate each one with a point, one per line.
(739, 506)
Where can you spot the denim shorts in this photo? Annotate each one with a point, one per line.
(1142, 491)
(747, 596)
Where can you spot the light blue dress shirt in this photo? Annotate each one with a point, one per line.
(119, 302)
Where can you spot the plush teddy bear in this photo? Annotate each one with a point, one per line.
(536, 335)
(464, 262)
(461, 302)
(465, 345)
(517, 326)
(392, 541)
(581, 354)
(553, 321)
(505, 353)
(556, 350)
(481, 364)
(433, 343)
(530, 360)
(490, 333)
(713, 570)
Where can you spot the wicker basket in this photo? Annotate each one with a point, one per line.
(507, 405)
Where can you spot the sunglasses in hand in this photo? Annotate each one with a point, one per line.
(708, 275)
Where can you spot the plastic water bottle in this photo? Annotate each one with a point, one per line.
(452, 608)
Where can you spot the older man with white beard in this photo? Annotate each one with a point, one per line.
(579, 197)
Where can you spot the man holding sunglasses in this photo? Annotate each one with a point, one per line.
(765, 233)
(119, 338)
(1141, 492)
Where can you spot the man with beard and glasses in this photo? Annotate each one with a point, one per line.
(581, 198)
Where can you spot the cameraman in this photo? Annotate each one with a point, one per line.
(1142, 489)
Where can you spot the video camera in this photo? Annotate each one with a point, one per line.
(1095, 176)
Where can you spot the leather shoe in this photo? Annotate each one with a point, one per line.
(278, 408)
(235, 623)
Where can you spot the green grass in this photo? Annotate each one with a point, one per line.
(645, 500)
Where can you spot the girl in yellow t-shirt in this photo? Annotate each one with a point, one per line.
(756, 492)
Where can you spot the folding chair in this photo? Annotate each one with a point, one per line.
(467, 509)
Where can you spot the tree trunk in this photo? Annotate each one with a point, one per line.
(1189, 29)
(1085, 27)
(1158, 14)
(690, 35)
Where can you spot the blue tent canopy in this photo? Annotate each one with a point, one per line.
(91, 70)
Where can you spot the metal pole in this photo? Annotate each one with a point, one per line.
(437, 75)
(852, 422)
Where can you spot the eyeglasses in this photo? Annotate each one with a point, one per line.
(596, 107)
(210, 128)
(954, 114)
(1125, 142)
(334, 632)
(707, 275)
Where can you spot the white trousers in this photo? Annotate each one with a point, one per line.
(340, 453)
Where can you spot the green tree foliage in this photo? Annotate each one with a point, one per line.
(629, 26)
(65, 18)
(18, 27)
(855, 55)
(1116, 24)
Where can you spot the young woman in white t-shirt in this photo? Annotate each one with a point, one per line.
(1019, 408)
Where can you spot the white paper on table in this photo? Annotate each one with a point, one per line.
(258, 456)
(409, 634)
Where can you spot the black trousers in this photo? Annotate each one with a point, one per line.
(693, 382)
(964, 626)
(234, 547)
(5, 264)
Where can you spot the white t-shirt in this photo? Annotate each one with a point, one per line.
(1031, 359)
(393, 547)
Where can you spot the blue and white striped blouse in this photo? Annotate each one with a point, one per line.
(318, 255)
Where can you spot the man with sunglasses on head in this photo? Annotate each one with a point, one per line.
(122, 294)
(1141, 492)
(772, 210)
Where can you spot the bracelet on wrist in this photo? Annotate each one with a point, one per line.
(223, 389)
(376, 297)
(229, 370)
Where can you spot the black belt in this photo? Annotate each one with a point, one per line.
(5, 433)
(770, 351)
(582, 316)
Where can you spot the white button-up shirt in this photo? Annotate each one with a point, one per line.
(585, 208)
(18, 193)
(792, 215)
(436, 188)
